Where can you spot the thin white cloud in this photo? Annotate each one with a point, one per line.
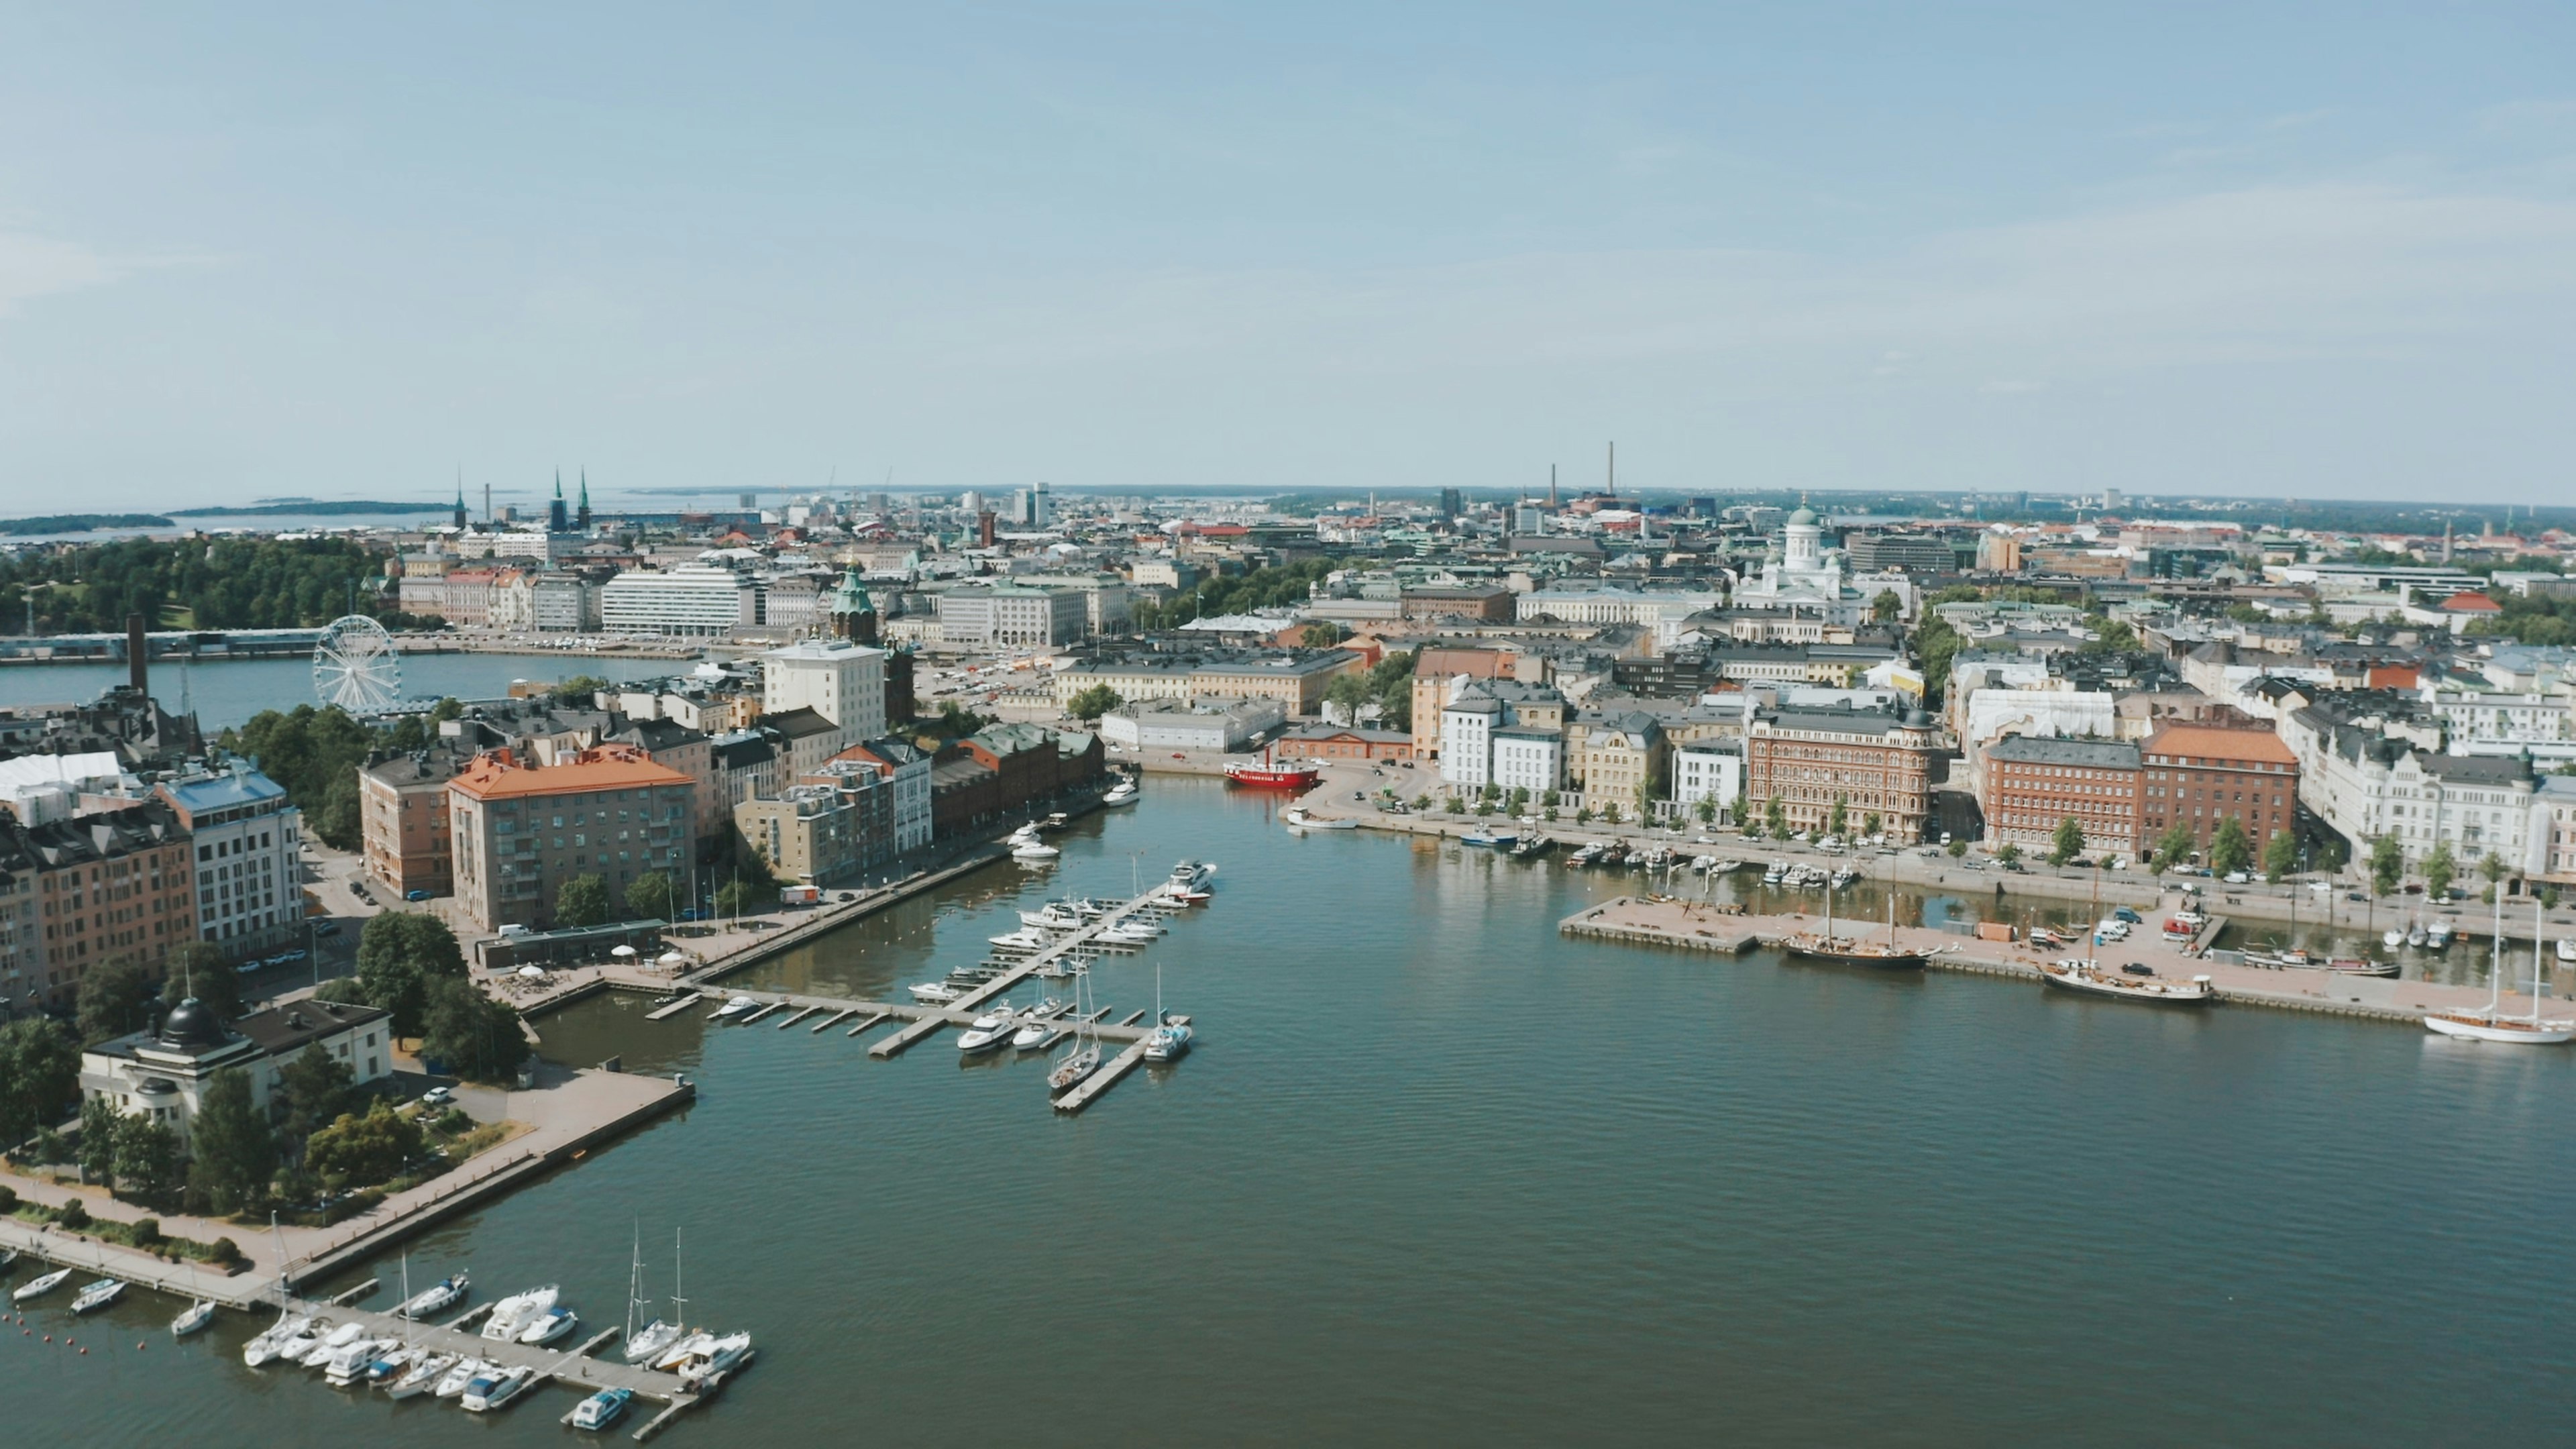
(34, 266)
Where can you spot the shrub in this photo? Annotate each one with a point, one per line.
(225, 1251)
(145, 1232)
(74, 1215)
(453, 1121)
(8, 1200)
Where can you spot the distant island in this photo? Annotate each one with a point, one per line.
(304, 506)
(80, 523)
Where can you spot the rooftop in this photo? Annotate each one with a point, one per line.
(498, 776)
(2040, 750)
(2208, 742)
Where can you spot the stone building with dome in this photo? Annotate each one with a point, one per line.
(1806, 579)
(162, 1073)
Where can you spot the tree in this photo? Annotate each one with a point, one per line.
(582, 901)
(1706, 809)
(1740, 811)
(2280, 855)
(1873, 824)
(1484, 806)
(2493, 868)
(2174, 845)
(2387, 864)
(2229, 849)
(1838, 819)
(1422, 801)
(2067, 843)
(39, 1073)
(1886, 606)
(2009, 853)
(1582, 814)
(1520, 799)
(474, 1036)
(198, 969)
(1091, 704)
(235, 1153)
(736, 896)
(653, 897)
(1775, 815)
(147, 1159)
(398, 953)
(111, 1001)
(97, 1152)
(2440, 869)
(1547, 799)
(1323, 634)
(316, 1087)
(363, 1150)
(1957, 847)
(1610, 812)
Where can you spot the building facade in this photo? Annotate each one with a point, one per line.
(1010, 616)
(2199, 775)
(841, 681)
(2031, 784)
(519, 832)
(248, 841)
(162, 1074)
(402, 822)
(1708, 770)
(1874, 762)
(692, 601)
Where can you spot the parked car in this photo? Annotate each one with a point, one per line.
(287, 956)
(415, 895)
(2015, 866)
(2236, 877)
(437, 1097)
(2128, 914)
(2358, 897)
(327, 928)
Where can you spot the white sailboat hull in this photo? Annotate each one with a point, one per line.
(2547, 1033)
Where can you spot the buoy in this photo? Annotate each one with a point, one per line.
(84, 1352)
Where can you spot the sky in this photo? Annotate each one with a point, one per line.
(2322, 251)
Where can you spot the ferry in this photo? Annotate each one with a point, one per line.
(2080, 975)
(1268, 774)
(1491, 840)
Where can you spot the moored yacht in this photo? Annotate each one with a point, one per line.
(720, 1356)
(1122, 793)
(465, 1372)
(517, 1311)
(601, 1409)
(934, 993)
(989, 1032)
(2492, 1024)
(445, 1294)
(2079, 974)
(546, 1327)
(98, 1295)
(734, 1010)
(2437, 936)
(495, 1388)
(422, 1376)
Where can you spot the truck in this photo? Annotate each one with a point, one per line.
(800, 895)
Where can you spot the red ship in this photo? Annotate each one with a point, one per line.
(1269, 774)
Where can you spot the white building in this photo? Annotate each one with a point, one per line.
(1009, 616)
(163, 1074)
(248, 843)
(1529, 757)
(1708, 770)
(1661, 610)
(1476, 718)
(691, 600)
(1154, 726)
(564, 604)
(2372, 777)
(841, 681)
(535, 543)
(2475, 717)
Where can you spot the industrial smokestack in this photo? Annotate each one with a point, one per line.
(138, 666)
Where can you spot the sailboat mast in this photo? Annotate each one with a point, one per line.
(2495, 972)
(2535, 959)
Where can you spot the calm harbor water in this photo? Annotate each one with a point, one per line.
(230, 692)
(1436, 1174)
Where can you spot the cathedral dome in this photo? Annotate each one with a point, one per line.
(1804, 518)
(192, 1023)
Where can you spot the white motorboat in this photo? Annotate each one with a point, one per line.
(738, 1008)
(1122, 793)
(601, 1409)
(934, 993)
(1026, 938)
(2438, 936)
(438, 1299)
(680, 1353)
(1297, 816)
(389, 1368)
(719, 1356)
(2567, 950)
(550, 1325)
(2077, 974)
(2392, 938)
(1032, 1035)
(465, 1372)
(319, 1355)
(1168, 1043)
(1055, 916)
(2492, 1024)
(1189, 875)
(348, 1363)
(517, 1311)
(98, 1295)
(495, 1390)
(1035, 850)
(1127, 935)
(35, 1288)
(989, 1032)
(2416, 935)
(423, 1376)
(196, 1318)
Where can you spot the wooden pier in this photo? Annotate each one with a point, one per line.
(1104, 1078)
(1074, 943)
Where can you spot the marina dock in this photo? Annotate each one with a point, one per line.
(1073, 944)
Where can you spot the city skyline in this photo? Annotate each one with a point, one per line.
(2311, 254)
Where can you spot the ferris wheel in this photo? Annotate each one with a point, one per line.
(355, 666)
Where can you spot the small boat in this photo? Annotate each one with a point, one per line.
(264, 1345)
(35, 1288)
(496, 1388)
(2361, 966)
(548, 1326)
(989, 1032)
(297, 1347)
(2416, 935)
(1122, 793)
(1032, 1035)
(517, 1311)
(689, 1346)
(934, 993)
(1034, 850)
(734, 1010)
(1583, 856)
(197, 1317)
(2392, 938)
(446, 1294)
(1298, 817)
(2080, 975)
(1853, 950)
(389, 1368)
(1055, 916)
(1168, 1043)
(719, 1356)
(465, 1372)
(1073, 1068)
(8, 1259)
(348, 1364)
(602, 1409)
(1126, 935)
(2438, 936)
(1182, 895)
(1191, 874)
(1491, 840)
(1027, 938)
(422, 1376)
(319, 1356)
(98, 1295)
(1532, 847)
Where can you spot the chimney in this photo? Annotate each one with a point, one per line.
(138, 668)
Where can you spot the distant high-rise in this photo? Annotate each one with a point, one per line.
(1041, 508)
(557, 519)
(970, 502)
(1452, 503)
(2110, 498)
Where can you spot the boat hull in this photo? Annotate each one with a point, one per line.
(2102, 990)
(1855, 954)
(1274, 777)
(2468, 1028)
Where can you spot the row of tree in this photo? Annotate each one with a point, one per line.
(1276, 586)
(225, 583)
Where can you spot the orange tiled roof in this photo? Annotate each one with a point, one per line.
(2205, 742)
(497, 776)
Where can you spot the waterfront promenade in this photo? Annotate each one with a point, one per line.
(1686, 925)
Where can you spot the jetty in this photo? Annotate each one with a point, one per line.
(1073, 944)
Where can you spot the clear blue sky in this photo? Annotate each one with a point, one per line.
(2319, 250)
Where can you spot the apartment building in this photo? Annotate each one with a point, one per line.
(1873, 761)
(402, 821)
(907, 769)
(2199, 775)
(1437, 673)
(814, 834)
(520, 832)
(111, 887)
(1618, 757)
(841, 681)
(1010, 616)
(2031, 784)
(1478, 713)
(249, 855)
(691, 601)
(1708, 770)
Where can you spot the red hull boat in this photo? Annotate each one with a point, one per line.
(1274, 775)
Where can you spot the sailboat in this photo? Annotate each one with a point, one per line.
(2084, 974)
(2492, 1024)
(642, 1343)
(1170, 1040)
(1852, 950)
(1084, 1059)
(200, 1311)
